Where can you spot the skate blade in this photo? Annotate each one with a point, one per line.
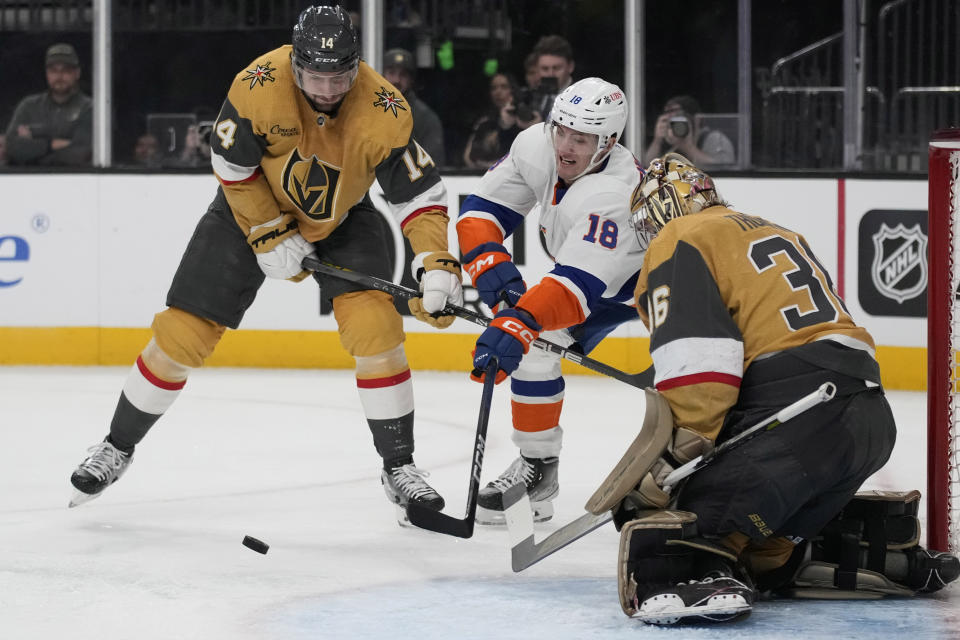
(402, 518)
(542, 512)
(716, 609)
(79, 497)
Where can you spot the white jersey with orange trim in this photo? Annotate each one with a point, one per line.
(585, 226)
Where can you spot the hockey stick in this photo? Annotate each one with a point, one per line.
(825, 392)
(640, 380)
(526, 551)
(440, 522)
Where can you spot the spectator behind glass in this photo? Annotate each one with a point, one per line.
(494, 131)
(146, 151)
(400, 71)
(196, 142)
(531, 71)
(54, 127)
(548, 70)
(3, 150)
(555, 60)
(678, 129)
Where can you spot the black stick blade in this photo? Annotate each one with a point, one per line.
(431, 520)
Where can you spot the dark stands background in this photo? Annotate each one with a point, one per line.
(691, 48)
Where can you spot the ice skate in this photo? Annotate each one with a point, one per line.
(406, 483)
(540, 477)
(714, 598)
(102, 467)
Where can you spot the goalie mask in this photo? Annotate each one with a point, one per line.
(670, 188)
(594, 107)
(326, 52)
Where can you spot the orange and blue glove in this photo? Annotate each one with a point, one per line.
(508, 338)
(494, 275)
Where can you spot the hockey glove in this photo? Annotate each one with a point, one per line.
(279, 248)
(494, 275)
(439, 276)
(508, 337)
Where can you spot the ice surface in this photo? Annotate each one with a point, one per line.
(285, 456)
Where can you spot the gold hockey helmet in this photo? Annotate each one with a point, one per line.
(671, 187)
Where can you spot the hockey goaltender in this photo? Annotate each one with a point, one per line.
(744, 321)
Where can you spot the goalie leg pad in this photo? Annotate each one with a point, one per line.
(666, 573)
(870, 550)
(639, 459)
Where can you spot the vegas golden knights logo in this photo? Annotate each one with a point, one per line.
(311, 185)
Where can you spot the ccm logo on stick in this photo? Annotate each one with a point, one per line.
(12, 249)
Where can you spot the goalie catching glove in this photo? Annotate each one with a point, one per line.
(280, 248)
(494, 275)
(508, 337)
(439, 276)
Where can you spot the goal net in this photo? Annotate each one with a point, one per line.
(943, 343)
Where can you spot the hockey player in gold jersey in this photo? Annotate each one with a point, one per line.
(744, 320)
(303, 133)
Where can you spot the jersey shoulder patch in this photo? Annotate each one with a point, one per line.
(265, 87)
(380, 109)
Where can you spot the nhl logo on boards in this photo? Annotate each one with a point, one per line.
(892, 262)
(899, 268)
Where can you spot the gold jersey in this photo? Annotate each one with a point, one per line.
(719, 289)
(274, 154)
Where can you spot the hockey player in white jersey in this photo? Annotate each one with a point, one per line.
(584, 183)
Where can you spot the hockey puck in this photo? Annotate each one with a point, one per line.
(257, 545)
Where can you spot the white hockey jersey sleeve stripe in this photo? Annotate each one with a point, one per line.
(433, 198)
(850, 341)
(687, 357)
(229, 172)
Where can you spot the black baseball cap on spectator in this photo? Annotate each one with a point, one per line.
(62, 53)
(399, 58)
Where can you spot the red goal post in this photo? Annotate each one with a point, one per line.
(943, 342)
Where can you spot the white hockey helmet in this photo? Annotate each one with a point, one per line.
(592, 106)
(670, 188)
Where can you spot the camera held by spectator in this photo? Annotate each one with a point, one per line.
(533, 105)
(680, 126)
(679, 129)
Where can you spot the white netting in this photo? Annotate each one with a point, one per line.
(953, 492)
